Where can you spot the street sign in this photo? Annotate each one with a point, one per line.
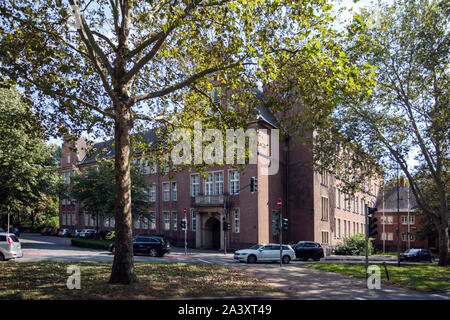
(279, 203)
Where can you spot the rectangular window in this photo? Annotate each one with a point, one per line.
(325, 208)
(208, 187)
(174, 191)
(404, 219)
(153, 167)
(68, 158)
(152, 193)
(411, 219)
(324, 178)
(324, 237)
(64, 219)
(405, 236)
(106, 222)
(338, 200)
(362, 207)
(234, 182)
(195, 185)
(166, 221)
(73, 219)
(152, 220)
(174, 221)
(345, 228)
(354, 228)
(144, 223)
(387, 236)
(137, 223)
(113, 222)
(338, 228)
(357, 205)
(193, 221)
(236, 221)
(218, 182)
(145, 167)
(166, 192)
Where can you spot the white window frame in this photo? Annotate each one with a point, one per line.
(233, 181)
(152, 193)
(208, 185)
(166, 216)
(174, 191)
(236, 220)
(175, 221)
(193, 221)
(152, 222)
(218, 183)
(195, 185)
(326, 207)
(166, 191)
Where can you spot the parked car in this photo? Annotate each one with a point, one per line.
(265, 252)
(110, 235)
(75, 233)
(151, 245)
(9, 247)
(308, 250)
(64, 232)
(44, 231)
(417, 255)
(15, 231)
(54, 232)
(88, 233)
(102, 234)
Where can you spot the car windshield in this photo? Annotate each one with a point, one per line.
(256, 247)
(413, 251)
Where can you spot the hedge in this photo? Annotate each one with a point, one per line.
(92, 243)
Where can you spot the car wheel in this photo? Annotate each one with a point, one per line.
(2, 257)
(251, 259)
(286, 259)
(152, 252)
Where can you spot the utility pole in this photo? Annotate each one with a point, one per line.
(366, 218)
(280, 216)
(185, 233)
(398, 221)
(7, 230)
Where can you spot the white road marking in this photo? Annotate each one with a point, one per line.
(359, 298)
(203, 260)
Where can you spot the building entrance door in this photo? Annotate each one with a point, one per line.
(212, 233)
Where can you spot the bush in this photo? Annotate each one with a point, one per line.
(92, 243)
(354, 246)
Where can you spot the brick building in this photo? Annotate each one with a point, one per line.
(410, 221)
(317, 210)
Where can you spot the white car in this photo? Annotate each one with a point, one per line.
(9, 247)
(265, 252)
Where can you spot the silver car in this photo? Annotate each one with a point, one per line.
(265, 252)
(9, 247)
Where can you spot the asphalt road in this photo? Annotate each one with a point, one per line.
(303, 282)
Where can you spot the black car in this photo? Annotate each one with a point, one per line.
(308, 249)
(417, 255)
(151, 245)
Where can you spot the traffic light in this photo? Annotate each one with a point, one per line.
(183, 224)
(285, 224)
(276, 222)
(226, 225)
(372, 222)
(253, 184)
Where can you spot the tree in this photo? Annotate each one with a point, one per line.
(94, 189)
(28, 172)
(147, 55)
(405, 113)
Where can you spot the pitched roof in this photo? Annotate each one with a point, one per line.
(390, 199)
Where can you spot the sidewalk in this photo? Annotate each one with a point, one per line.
(359, 258)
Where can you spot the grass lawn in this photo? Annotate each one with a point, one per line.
(47, 280)
(386, 254)
(418, 277)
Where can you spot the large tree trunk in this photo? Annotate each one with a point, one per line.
(123, 266)
(443, 244)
